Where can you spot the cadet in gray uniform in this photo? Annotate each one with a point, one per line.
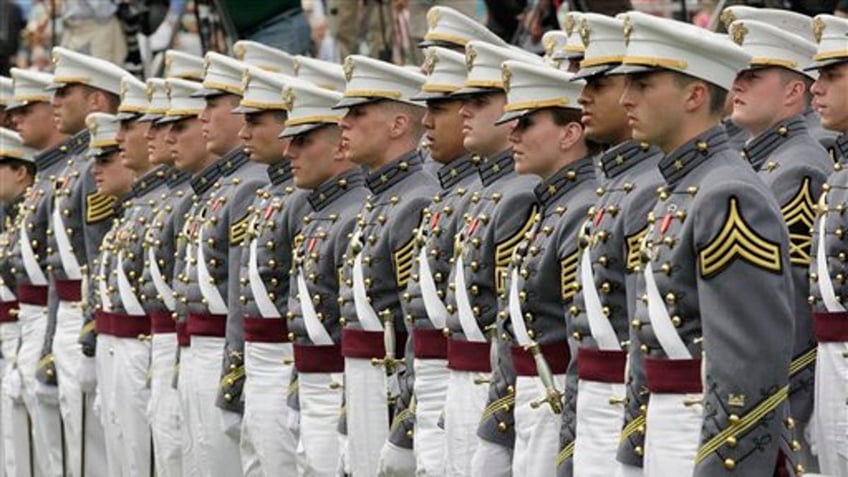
(380, 131)
(769, 102)
(426, 355)
(78, 207)
(498, 217)
(186, 144)
(265, 262)
(337, 192)
(716, 352)
(599, 393)
(541, 279)
(827, 266)
(213, 318)
(17, 176)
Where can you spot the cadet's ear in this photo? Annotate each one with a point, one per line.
(399, 126)
(797, 91)
(570, 135)
(697, 96)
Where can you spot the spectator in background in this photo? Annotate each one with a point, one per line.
(91, 27)
(280, 23)
(11, 24)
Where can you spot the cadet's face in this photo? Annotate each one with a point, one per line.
(157, 147)
(757, 99)
(655, 106)
(442, 126)
(70, 107)
(34, 122)
(479, 113)
(830, 97)
(365, 131)
(220, 125)
(312, 155)
(10, 180)
(187, 146)
(534, 138)
(132, 141)
(110, 176)
(259, 136)
(603, 117)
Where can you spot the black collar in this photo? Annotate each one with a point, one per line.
(150, 181)
(232, 161)
(689, 156)
(839, 150)
(176, 177)
(452, 173)
(203, 181)
(618, 159)
(566, 179)
(49, 157)
(78, 143)
(394, 172)
(328, 192)
(494, 168)
(280, 172)
(761, 147)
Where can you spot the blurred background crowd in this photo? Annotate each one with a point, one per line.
(135, 33)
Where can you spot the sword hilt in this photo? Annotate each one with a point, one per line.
(388, 361)
(553, 397)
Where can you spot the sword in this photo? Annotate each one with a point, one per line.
(388, 361)
(553, 397)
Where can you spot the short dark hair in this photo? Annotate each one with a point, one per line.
(788, 75)
(19, 163)
(718, 95)
(113, 101)
(563, 116)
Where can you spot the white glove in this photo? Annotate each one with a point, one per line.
(12, 385)
(231, 424)
(87, 374)
(395, 462)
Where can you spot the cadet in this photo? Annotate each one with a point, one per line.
(70, 256)
(322, 74)
(265, 262)
(449, 28)
(213, 317)
(827, 268)
(380, 132)
(499, 215)
(540, 282)
(187, 146)
(424, 300)
(769, 102)
(17, 175)
(337, 192)
(156, 287)
(33, 118)
(607, 271)
(6, 87)
(703, 324)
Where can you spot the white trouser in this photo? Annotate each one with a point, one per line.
(218, 445)
(268, 376)
(367, 415)
(600, 415)
(320, 402)
(624, 470)
(191, 463)
(14, 419)
(105, 352)
(465, 401)
(163, 411)
(536, 430)
(431, 386)
(41, 401)
(673, 426)
(132, 361)
(830, 411)
(73, 403)
(492, 460)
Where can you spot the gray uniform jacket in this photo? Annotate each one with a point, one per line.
(795, 166)
(612, 239)
(459, 179)
(499, 216)
(8, 300)
(715, 230)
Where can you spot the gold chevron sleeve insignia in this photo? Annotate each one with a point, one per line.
(238, 231)
(504, 250)
(634, 249)
(568, 276)
(403, 261)
(737, 240)
(99, 207)
(799, 214)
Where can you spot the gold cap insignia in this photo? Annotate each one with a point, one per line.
(568, 26)
(348, 68)
(240, 50)
(550, 45)
(628, 29)
(433, 18)
(296, 66)
(206, 65)
(470, 56)
(584, 32)
(288, 99)
(818, 28)
(149, 90)
(738, 32)
(430, 62)
(125, 87)
(506, 77)
(55, 58)
(727, 17)
(245, 80)
(168, 90)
